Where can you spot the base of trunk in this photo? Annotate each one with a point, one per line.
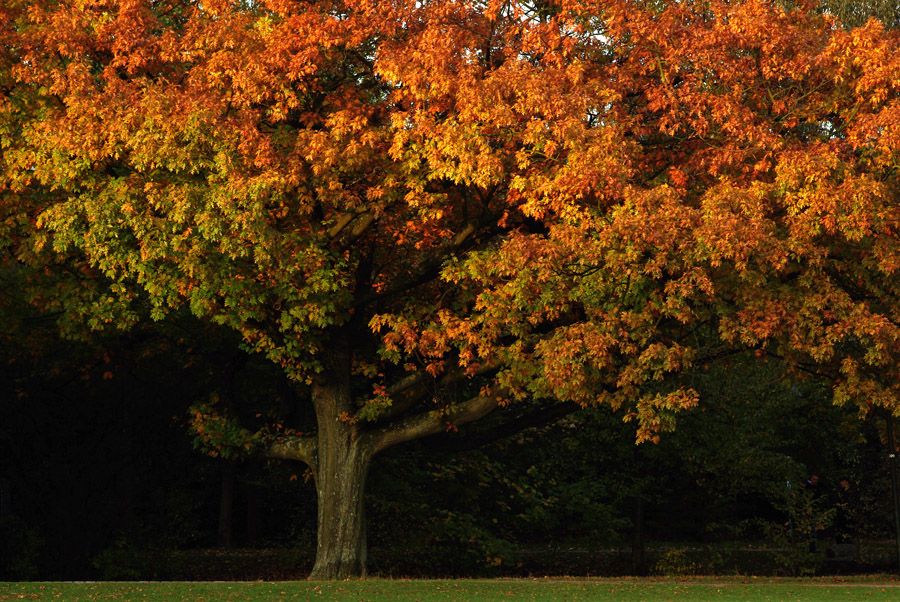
(339, 568)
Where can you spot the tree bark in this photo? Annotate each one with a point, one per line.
(226, 504)
(340, 489)
(341, 464)
(638, 556)
(254, 515)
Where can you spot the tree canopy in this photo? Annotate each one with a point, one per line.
(423, 211)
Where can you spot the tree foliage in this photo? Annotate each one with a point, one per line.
(856, 14)
(422, 211)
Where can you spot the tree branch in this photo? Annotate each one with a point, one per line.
(539, 417)
(412, 388)
(344, 220)
(431, 268)
(362, 225)
(431, 423)
(303, 449)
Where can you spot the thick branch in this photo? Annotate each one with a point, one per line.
(539, 417)
(344, 220)
(431, 268)
(364, 223)
(431, 423)
(294, 448)
(411, 389)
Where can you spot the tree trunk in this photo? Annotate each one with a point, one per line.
(254, 515)
(341, 465)
(340, 489)
(340, 455)
(226, 504)
(638, 556)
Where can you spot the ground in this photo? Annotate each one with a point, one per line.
(883, 588)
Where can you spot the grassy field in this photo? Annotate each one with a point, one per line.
(870, 589)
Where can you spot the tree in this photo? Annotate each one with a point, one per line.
(855, 14)
(423, 211)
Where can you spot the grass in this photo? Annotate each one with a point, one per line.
(871, 589)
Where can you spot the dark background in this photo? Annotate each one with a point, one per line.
(100, 477)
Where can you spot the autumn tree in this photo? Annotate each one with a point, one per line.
(424, 211)
(855, 14)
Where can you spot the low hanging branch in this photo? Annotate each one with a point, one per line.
(543, 417)
(433, 422)
(298, 448)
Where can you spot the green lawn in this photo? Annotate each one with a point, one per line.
(539, 590)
